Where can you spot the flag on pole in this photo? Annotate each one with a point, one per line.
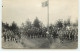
(44, 4)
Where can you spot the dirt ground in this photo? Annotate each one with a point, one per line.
(40, 43)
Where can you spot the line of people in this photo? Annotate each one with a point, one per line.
(68, 34)
(9, 35)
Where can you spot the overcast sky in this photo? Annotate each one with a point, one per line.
(20, 10)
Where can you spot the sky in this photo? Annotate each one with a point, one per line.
(22, 10)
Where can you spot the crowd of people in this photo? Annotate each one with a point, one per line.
(54, 32)
(59, 30)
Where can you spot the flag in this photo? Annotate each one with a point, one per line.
(44, 4)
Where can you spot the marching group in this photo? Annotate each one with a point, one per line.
(54, 32)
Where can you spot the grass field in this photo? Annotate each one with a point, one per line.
(40, 43)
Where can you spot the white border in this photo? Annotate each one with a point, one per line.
(38, 51)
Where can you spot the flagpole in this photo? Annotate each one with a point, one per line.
(48, 16)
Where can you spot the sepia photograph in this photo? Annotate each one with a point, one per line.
(39, 24)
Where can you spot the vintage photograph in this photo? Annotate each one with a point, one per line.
(39, 24)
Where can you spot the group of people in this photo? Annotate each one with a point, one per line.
(54, 32)
(68, 34)
(9, 35)
(62, 33)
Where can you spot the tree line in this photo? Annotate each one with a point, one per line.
(38, 29)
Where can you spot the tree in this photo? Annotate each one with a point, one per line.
(14, 27)
(59, 24)
(67, 23)
(5, 26)
(26, 27)
(28, 24)
(36, 23)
